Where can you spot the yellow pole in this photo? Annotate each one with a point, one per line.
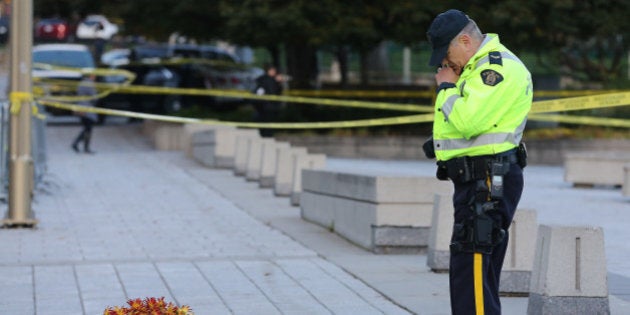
(21, 171)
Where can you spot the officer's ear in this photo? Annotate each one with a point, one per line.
(465, 41)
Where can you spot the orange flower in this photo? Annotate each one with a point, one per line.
(149, 306)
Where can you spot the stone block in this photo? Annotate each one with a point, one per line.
(569, 273)
(519, 258)
(216, 147)
(283, 180)
(626, 180)
(241, 152)
(254, 158)
(187, 136)
(377, 188)
(269, 163)
(168, 136)
(148, 127)
(369, 225)
(399, 239)
(439, 252)
(304, 162)
(595, 168)
(360, 208)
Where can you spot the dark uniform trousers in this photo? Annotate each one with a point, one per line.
(474, 277)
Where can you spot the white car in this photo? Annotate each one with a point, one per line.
(59, 62)
(96, 26)
(48, 56)
(116, 57)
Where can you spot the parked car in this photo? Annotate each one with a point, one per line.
(166, 66)
(117, 56)
(147, 73)
(223, 70)
(48, 56)
(96, 26)
(54, 30)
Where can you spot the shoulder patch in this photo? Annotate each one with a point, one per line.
(495, 58)
(491, 77)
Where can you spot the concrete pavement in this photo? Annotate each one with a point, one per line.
(133, 222)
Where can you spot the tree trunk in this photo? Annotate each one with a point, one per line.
(274, 51)
(342, 57)
(301, 65)
(364, 68)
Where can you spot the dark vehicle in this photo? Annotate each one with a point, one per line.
(178, 66)
(224, 70)
(143, 62)
(54, 30)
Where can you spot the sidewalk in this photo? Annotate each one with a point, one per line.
(133, 222)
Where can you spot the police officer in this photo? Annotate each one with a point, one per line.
(484, 94)
(267, 111)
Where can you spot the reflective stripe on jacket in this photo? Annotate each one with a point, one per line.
(486, 112)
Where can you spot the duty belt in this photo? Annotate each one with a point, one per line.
(468, 168)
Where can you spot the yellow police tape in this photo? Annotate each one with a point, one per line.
(556, 105)
(582, 120)
(409, 119)
(140, 89)
(17, 98)
(565, 104)
(361, 93)
(127, 75)
(423, 94)
(582, 102)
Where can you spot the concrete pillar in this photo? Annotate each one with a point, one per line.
(254, 158)
(519, 259)
(283, 183)
(301, 162)
(569, 274)
(188, 133)
(217, 147)
(439, 252)
(168, 136)
(242, 151)
(269, 161)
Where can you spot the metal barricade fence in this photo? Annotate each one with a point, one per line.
(38, 147)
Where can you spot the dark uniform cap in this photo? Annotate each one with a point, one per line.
(442, 31)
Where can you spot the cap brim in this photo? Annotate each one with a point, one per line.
(437, 55)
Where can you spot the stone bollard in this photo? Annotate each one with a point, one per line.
(569, 274)
(168, 136)
(242, 150)
(188, 134)
(626, 180)
(439, 252)
(283, 183)
(148, 127)
(300, 162)
(254, 158)
(216, 147)
(595, 168)
(519, 258)
(269, 161)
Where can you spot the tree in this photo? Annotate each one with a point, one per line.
(583, 39)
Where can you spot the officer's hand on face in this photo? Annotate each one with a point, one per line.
(446, 73)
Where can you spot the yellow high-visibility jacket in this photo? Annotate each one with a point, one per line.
(485, 112)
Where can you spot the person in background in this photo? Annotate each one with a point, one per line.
(267, 111)
(88, 119)
(483, 97)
